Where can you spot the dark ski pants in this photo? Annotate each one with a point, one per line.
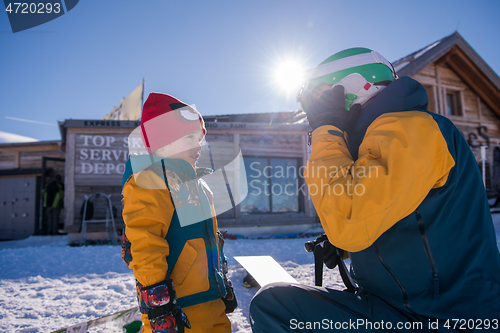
(284, 307)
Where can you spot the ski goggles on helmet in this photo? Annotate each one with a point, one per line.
(362, 72)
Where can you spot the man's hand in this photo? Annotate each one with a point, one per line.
(329, 109)
(332, 255)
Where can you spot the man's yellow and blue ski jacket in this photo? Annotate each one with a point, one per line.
(403, 194)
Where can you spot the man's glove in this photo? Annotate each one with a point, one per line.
(332, 255)
(329, 109)
(159, 302)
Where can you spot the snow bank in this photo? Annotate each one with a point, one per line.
(46, 285)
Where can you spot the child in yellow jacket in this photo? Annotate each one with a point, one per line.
(170, 238)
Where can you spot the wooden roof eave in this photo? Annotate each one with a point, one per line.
(30, 146)
(478, 62)
(475, 78)
(429, 57)
(461, 57)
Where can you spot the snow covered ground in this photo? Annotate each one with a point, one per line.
(46, 285)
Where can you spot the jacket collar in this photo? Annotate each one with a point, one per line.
(404, 94)
(181, 166)
(143, 162)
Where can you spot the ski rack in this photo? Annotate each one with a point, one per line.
(112, 235)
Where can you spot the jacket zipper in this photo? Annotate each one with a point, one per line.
(400, 285)
(428, 253)
(210, 241)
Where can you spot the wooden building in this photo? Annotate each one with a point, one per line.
(460, 85)
(25, 168)
(273, 146)
(96, 153)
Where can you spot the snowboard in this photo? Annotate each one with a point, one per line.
(119, 319)
(264, 269)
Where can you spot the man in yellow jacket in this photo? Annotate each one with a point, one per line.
(170, 237)
(398, 189)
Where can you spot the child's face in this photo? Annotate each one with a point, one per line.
(186, 148)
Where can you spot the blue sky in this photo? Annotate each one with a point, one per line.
(219, 55)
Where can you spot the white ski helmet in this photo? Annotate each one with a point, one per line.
(362, 72)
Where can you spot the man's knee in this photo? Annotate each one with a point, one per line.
(267, 310)
(270, 297)
(267, 294)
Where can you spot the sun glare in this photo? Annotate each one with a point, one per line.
(289, 75)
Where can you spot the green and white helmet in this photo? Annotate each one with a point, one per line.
(362, 72)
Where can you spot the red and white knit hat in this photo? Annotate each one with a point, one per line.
(166, 119)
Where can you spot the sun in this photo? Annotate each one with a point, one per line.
(289, 75)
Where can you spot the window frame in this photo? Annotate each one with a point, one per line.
(457, 110)
(300, 196)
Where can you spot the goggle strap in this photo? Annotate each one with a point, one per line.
(349, 62)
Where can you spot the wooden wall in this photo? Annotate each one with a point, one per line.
(268, 143)
(95, 163)
(22, 163)
(477, 121)
(27, 156)
(8, 160)
(438, 78)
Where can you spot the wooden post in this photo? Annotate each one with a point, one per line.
(480, 115)
(17, 163)
(69, 180)
(442, 105)
(237, 209)
(462, 103)
(435, 91)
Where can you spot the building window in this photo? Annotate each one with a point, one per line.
(453, 107)
(273, 185)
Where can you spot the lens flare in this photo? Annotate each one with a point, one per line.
(289, 75)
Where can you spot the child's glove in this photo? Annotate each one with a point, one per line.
(230, 299)
(159, 302)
